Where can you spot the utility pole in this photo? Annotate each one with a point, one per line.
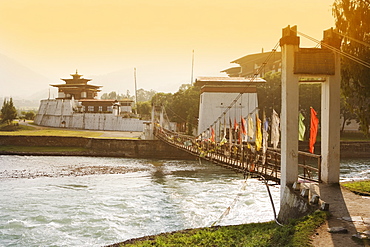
(192, 68)
(135, 90)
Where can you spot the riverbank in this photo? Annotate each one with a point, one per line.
(129, 148)
(296, 233)
(82, 146)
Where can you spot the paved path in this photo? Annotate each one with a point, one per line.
(348, 210)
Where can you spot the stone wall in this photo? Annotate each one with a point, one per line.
(347, 149)
(98, 147)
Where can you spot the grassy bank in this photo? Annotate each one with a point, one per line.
(28, 130)
(297, 233)
(353, 136)
(34, 130)
(358, 187)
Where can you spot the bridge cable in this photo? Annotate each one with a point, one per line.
(233, 103)
(228, 209)
(271, 200)
(336, 50)
(353, 39)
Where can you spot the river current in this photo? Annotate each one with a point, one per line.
(90, 201)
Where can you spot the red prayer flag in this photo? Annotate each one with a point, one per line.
(212, 139)
(236, 126)
(313, 130)
(243, 126)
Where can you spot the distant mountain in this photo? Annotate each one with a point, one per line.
(20, 82)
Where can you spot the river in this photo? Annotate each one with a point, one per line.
(90, 201)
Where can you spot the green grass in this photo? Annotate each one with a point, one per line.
(296, 233)
(27, 130)
(358, 186)
(40, 149)
(353, 136)
(16, 130)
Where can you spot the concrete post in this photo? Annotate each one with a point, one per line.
(289, 111)
(161, 117)
(330, 118)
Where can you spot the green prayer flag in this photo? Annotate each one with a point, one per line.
(302, 127)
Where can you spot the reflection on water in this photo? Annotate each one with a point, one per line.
(355, 169)
(87, 201)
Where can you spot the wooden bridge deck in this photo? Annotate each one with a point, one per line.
(242, 158)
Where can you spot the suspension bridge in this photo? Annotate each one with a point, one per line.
(223, 143)
(241, 157)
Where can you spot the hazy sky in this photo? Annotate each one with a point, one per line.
(54, 38)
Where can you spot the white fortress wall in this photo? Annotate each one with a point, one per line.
(59, 113)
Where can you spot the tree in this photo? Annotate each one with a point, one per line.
(345, 113)
(144, 109)
(352, 21)
(117, 96)
(181, 107)
(144, 95)
(29, 115)
(8, 112)
(269, 93)
(186, 105)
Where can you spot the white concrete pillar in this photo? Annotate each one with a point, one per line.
(289, 111)
(330, 126)
(161, 118)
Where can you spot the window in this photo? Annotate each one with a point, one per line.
(61, 94)
(83, 94)
(90, 108)
(109, 108)
(100, 108)
(83, 108)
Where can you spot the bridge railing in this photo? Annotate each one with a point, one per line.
(242, 157)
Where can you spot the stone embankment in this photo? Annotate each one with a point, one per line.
(138, 148)
(96, 147)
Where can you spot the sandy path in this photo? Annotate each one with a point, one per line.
(343, 203)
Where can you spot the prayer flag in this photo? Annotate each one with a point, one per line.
(250, 127)
(236, 126)
(265, 137)
(313, 130)
(243, 126)
(230, 132)
(212, 138)
(302, 127)
(265, 134)
(258, 133)
(275, 129)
